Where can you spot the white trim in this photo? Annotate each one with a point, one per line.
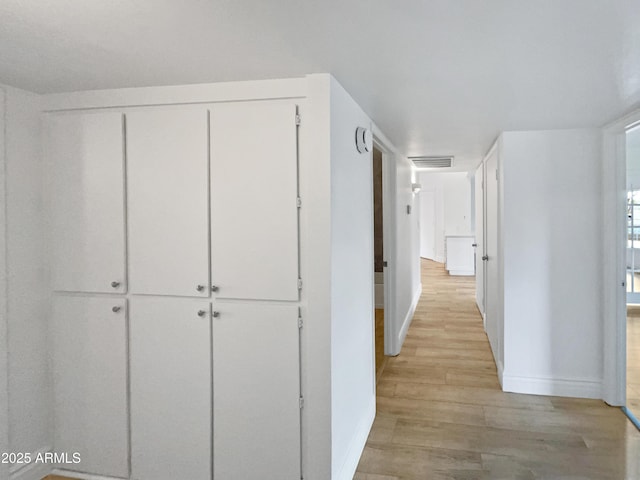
(462, 273)
(80, 475)
(561, 387)
(33, 470)
(4, 360)
(177, 94)
(614, 270)
(356, 447)
(406, 323)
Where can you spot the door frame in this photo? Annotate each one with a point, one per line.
(482, 242)
(422, 203)
(614, 230)
(389, 174)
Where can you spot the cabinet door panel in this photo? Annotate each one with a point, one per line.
(167, 168)
(89, 353)
(254, 229)
(170, 389)
(256, 392)
(85, 155)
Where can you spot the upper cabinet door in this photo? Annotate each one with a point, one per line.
(85, 154)
(167, 176)
(254, 218)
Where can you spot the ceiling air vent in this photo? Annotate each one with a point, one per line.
(432, 162)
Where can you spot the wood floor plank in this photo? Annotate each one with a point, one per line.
(409, 462)
(443, 415)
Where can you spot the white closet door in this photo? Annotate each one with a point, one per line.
(256, 392)
(167, 169)
(254, 218)
(89, 353)
(492, 300)
(170, 389)
(85, 160)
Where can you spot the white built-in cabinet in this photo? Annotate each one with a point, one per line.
(176, 339)
(257, 376)
(87, 202)
(460, 254)
(89, 363)
(253, 201)
(171, 388)
(167, 198)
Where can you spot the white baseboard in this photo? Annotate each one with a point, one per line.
(500, 370)
(33, 470)
(82, 476)
(560, 387)
(462, 273)
(439, 259)
(356, 447)
(408, 317)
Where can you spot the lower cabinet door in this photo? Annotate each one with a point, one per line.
(170, 345)
(256, 405)
(89, 360)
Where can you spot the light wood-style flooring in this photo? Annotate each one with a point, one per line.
(381, 358)
(442, 414)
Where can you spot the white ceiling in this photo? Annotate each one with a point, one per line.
(437, 76)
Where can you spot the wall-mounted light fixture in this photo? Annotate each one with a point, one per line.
(416, 187)
(364, 140)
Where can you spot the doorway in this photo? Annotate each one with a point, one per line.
(379, 260)
(620, 175)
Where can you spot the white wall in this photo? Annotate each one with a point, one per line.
(407, 245)
(4, 398)
(453, 203)
(352, 301)
(315, 254)
(551, 203)
(28, 383)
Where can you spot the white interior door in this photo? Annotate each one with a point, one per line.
(168, 197)
(254, 216)
(85, 160)
(170, 389)
(89, 360)
(479, 240)
(256, 390)
(491, 248)
(428, 225)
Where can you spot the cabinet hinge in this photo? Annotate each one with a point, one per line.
(301, 402)
(298, 202)
(299, 284)
(299, 322)
(298, 119)
(496, 174)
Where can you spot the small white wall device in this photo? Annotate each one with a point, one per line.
(364, 140)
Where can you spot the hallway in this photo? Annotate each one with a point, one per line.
(441, 413)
